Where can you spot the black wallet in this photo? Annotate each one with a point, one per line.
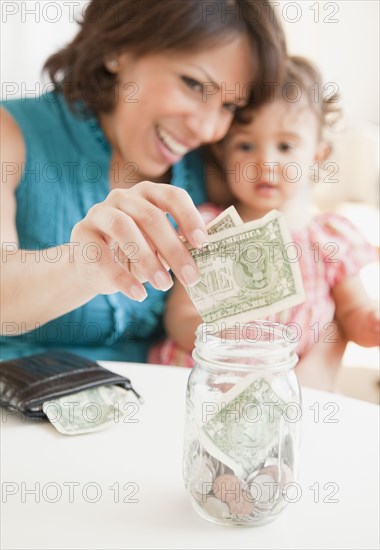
(26, 383)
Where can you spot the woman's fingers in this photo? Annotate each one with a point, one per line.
(148, 208)
(138, 242)
(178, 203)
(100, 266)
(130, 244)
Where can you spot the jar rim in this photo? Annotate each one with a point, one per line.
(226, 343)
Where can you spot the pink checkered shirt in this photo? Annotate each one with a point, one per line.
(330, 250)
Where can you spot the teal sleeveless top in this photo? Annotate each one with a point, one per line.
(66, 172)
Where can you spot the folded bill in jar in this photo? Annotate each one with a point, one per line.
(245, 426)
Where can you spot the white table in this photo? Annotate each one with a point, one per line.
(145, 458)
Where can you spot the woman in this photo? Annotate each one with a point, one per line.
(94, 167)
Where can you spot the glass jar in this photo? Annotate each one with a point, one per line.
(243, 414)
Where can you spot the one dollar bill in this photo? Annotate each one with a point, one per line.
(226, 219)
(245, 425)
(247, 271)
(89, 410)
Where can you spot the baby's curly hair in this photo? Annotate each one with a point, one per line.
(306, 78)
(302, 80)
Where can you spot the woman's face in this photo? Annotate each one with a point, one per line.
(170, 103)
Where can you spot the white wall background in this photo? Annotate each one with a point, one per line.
(31, 30)
(341, 37)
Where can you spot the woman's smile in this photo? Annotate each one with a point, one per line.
(170, 148)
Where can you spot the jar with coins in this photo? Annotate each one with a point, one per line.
(243, 414)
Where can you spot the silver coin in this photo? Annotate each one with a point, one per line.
(272, 462)
(263, 489)
(270, 467)
(194, 448)
(287, 477)
(201, 476)
(284, 472)
(231, 490)
(216, 507)
(266, 486)
(255, 470)
(241, 507)
(223, 469)
(212, 461)
(288, 450)
(288, 473)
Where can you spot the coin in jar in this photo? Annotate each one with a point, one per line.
(263, 489)
(202, 474)
(223, 469)
(216, 507)
(288, 451)
(286, 473)
(230, 489)
(266, 485)
(194, 448)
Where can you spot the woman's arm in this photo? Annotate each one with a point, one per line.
(128, 232)
(33, 289)
(356, 313)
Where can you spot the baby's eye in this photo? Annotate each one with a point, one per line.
(193, 84)
(245, 146)
(285, 147)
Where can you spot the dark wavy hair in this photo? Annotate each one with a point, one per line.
(146, 26)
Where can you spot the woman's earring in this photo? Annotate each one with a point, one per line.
(112, 65)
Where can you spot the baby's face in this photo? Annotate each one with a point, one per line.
(269, 160)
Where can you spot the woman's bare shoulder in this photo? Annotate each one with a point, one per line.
(12, 150)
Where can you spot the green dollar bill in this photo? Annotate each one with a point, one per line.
(245, 426)
(246, 272)
(88, 410)
(226, 219)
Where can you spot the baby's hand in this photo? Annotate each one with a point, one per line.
(368, 327)
(373, 320)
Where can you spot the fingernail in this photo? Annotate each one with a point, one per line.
(190, 275)
(138, 293)
(162, 280)
(199, 237)
(166, 266)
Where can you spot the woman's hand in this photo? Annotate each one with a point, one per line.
(127, 240)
